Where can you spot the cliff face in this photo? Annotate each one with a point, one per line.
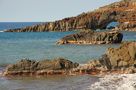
(123, 12)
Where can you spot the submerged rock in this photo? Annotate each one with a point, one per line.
(45, 67)
(90, 37)
(122, 12)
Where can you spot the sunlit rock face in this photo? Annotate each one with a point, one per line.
(123, 12)
(124, 56)
(121, 60)
(58, 66)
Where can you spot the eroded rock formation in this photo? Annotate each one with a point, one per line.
(123, 12)
(90, 37)
(116, 60)
(45, 67)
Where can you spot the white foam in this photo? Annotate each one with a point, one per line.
(1, 31)
(116, 82)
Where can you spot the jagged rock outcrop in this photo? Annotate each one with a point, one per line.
(45, 67)
(123, 12)
(90, 37)
(124, 56)
(116, 60)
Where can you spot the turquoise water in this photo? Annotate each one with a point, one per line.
(15, 46)
(42, 45)
(38, 46)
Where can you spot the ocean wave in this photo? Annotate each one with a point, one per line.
(115, 82)
(1, 31)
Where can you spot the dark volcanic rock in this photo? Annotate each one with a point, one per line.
(45, 67)
(90, 37)
(123, 12)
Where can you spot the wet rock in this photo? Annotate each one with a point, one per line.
(90, 37)
(122, 57)
(116, 60)
(45, 67)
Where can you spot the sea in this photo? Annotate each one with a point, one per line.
(42, 45)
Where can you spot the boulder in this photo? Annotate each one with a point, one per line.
(45, 67)
(90, 37)
(120, 60)
(117, 60)
(124, 56)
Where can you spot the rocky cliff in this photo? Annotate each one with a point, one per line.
(90, 37)
(123, 12)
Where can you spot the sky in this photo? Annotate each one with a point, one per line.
(46, 10)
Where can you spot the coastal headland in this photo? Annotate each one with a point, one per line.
(122, 12)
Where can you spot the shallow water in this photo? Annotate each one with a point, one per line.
(15, 46)
(48, 83)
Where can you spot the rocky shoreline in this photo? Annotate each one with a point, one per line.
(115, 60)
(27, 67)
(122, 12)
(120, 60)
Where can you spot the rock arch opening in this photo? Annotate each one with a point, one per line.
(112, 25)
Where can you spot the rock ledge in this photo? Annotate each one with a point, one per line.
(90, 37)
